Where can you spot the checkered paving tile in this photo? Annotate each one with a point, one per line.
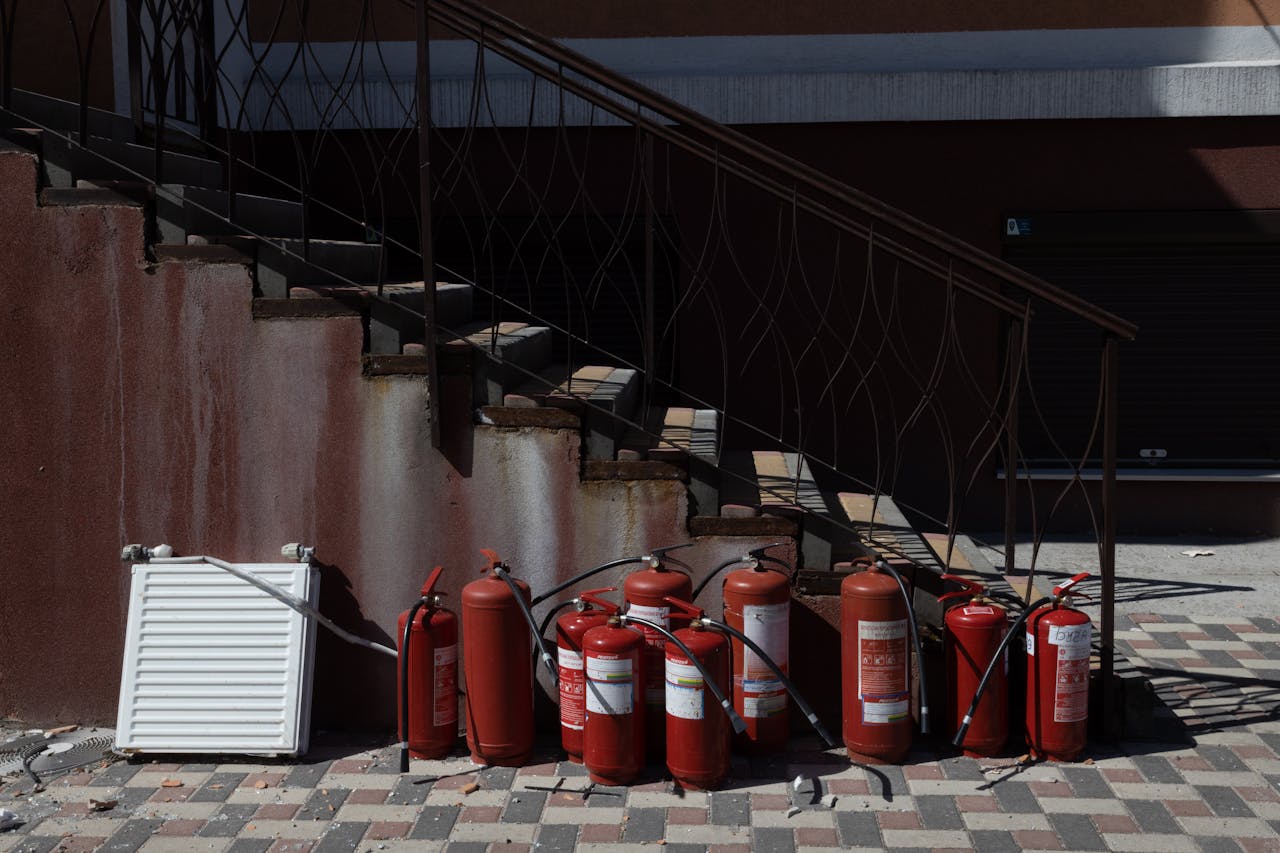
(1213, 787)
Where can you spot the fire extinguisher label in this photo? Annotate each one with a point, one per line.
(882, 671)
(609, 686)
(661, 615)
(1031, 644)
(684, 690)
(572, 689)
(768, 627)
(446, 686)
(762, 707)
(1071, 687)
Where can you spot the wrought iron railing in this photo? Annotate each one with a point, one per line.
(813, 318)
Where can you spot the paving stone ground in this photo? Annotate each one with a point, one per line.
(1215, 788)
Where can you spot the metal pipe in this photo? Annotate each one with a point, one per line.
(1107, 555)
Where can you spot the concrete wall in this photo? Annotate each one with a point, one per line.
(143, 403)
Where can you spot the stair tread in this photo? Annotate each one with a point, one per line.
(589, 382)
(683, 429)
(501, 335)
(888, 530)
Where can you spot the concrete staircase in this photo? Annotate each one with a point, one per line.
(556, 465)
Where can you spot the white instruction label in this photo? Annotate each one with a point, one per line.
(1031, 643)
(684, 691)
(882, 671)
(1071, 675)
(573, 689)
(767, 626)
(609, 685)
(763, 707)
(660, 615)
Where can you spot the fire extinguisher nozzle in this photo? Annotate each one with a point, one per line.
(739, 724)
(404, 758)
(924, 719)
(821, 730)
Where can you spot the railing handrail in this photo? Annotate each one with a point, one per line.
(813, 179)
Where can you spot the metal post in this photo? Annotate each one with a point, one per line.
(1011, 448)
(650, 347)
(1107, 548)
(424, 198)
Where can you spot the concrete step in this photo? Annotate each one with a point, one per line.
(883, 527)
(27, 109)
(391, 329)
(182, 211)
(605, 397)
(690, 438)
(783, 483)
(109, 159)
(502, 356)
(283, 263)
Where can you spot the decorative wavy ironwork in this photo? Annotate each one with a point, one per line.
(894, 358)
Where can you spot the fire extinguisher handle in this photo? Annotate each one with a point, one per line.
(693, 611)
(493, 558)
(428, 588)
(604, 604)
(971, 587)
(1062, 588)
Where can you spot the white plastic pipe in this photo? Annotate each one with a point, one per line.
(287, 598)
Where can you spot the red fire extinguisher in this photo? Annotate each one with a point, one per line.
(427, 689)
(757, 602)
(570, 629)
(496, 627)
(645, 592)
(973, 635)
(697, 734)
(876, 670)
(1059, 639)
(613, 736)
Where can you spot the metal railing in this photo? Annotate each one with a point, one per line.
(895, 358)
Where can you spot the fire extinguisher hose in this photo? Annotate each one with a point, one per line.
(720, 568)
(739, 725)
(804, 706)
(551, 616)
(501, 571)
(581, 576)
(915, 641)
(991, 668)
(404, 683)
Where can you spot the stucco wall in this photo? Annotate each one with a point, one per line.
(142, 403)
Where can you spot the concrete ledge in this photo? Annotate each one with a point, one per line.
(300, 309)
(68, 197)
(607, 469)
(512, 416)
(200, 254)
(763, 525)
(394, 365)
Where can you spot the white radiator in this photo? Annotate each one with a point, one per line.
(213, 663)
